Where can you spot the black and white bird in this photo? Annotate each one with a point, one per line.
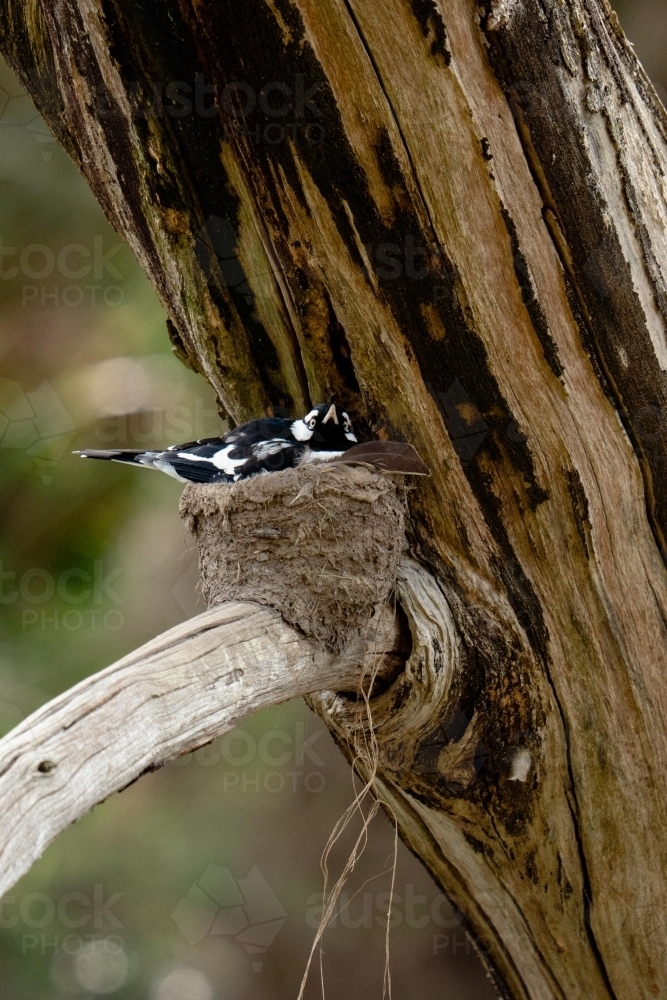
(265, 445)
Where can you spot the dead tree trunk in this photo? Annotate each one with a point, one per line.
(451, 219)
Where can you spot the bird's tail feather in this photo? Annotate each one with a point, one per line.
(131, 456)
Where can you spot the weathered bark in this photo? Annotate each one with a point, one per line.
(176, 693)
(515, 157)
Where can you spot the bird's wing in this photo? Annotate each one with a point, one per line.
(269, 456)
(262, 429)
(188, 470)
(225, 461)
(193, 444)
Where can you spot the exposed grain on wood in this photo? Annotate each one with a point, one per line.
(461, 235)
(174, 694)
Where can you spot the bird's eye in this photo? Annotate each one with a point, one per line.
(311, 423)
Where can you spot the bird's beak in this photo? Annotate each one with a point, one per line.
(331, 415)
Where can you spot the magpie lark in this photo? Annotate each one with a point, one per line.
(265, 445)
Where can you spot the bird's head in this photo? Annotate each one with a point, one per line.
(325, 428)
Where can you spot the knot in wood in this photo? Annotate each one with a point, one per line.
(319, 543)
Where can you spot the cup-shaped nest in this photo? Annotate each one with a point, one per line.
(319, 543)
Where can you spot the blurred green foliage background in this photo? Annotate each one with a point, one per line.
(144, 898)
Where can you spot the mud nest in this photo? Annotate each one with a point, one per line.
(320, 544)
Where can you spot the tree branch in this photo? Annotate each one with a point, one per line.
(511, 158)
(176, 693)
